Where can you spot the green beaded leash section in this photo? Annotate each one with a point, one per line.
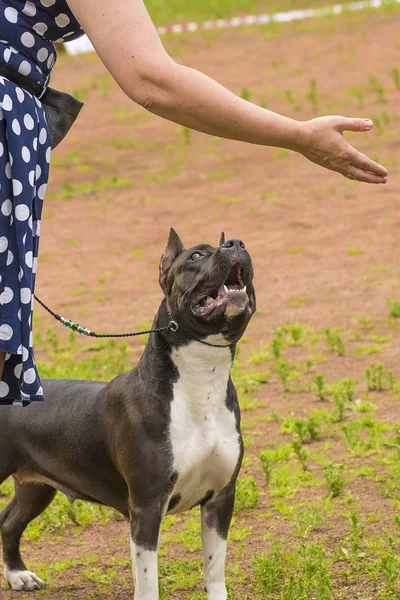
(172, 326)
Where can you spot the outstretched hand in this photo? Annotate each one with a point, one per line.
(321, 140)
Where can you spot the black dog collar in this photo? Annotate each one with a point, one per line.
(175, 327)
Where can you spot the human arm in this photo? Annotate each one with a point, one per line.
(128, 44)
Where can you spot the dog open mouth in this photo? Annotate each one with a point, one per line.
(232, 290)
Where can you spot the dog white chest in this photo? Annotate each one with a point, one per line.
(203, 431)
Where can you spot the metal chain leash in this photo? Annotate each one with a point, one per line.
(172, 326)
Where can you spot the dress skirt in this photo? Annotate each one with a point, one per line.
(25, 148)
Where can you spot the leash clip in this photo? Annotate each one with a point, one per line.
(173, 326)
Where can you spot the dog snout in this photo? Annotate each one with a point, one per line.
(235, 244)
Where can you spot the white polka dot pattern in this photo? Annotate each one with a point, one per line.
(16, 127)
(26, 154)
(24, 164)
(29, 9)
(6, 103)
(6, 208)
(29, 375)
(17, 187)
(11, 14)
(62, 20)
(28, 29)
(4, 389)
(6, 333)
(20, 94)
(29, 122)
(28, 39)
(17, 370)
(6, 296)
(40, 28)
(29, 259)
(24, 68)
(43, 54)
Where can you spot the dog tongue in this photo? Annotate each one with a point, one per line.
(223, 290)
(210, 303)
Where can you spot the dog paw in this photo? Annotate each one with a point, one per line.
(23, 581)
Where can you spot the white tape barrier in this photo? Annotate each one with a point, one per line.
(83, 44)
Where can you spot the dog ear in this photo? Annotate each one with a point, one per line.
(174, 247)
(222, 240)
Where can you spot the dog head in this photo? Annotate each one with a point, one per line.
(209, 289)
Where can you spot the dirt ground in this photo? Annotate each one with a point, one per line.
(276, 202)
(325, 249)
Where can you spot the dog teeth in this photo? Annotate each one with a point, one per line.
(209, 300)
(227, 290)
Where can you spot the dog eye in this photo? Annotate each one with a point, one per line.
(195, 256)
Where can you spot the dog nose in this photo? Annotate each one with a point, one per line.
(234, 243)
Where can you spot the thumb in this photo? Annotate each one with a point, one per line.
(346, 124)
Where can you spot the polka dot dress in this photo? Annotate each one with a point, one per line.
(27, 30)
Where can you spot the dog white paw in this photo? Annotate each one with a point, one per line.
(217, 593)
(23, 581)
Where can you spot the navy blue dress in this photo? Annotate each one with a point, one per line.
(27, 30)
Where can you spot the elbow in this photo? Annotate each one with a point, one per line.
(152, 87)
(149, 97)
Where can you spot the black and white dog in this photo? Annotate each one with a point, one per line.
(159, 439)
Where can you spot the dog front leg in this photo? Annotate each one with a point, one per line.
(216, 517)
(145, 532)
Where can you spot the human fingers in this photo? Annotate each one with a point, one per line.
(363, 162)
(358, 159)
(352, 124)
(366, 165)
(326, 146)
(364, 176)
